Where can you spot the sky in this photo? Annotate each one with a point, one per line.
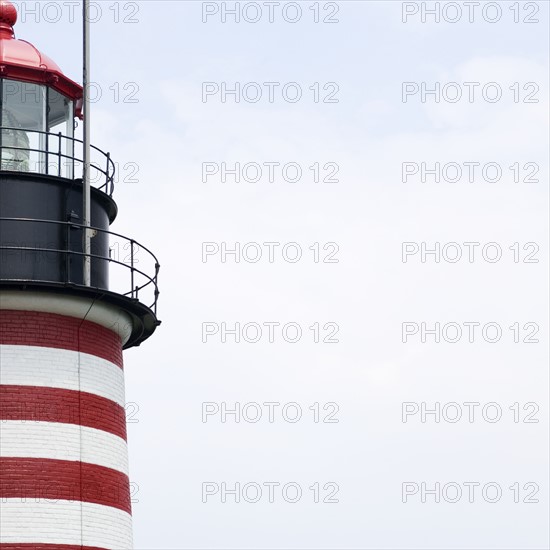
(362, 447)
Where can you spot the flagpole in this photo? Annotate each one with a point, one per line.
(86, 207)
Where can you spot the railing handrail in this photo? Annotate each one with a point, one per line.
(134, 291)
(109, 172)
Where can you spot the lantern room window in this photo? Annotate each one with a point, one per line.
(60, 123)
(37, 129)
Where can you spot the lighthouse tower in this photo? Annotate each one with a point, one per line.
(63, 453)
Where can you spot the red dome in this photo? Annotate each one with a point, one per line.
(20, 60)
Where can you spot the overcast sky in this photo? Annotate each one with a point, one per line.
(360, 132)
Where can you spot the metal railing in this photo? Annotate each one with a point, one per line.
(57, 155)
(142, 282)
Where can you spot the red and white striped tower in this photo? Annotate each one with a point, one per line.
(63, 454)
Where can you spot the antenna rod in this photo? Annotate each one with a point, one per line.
(86, 207)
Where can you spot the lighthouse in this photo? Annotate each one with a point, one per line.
(67, 312)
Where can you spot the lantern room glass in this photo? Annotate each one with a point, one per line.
(37, 129)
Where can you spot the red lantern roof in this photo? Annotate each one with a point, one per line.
(20, 60)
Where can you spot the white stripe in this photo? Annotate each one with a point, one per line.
(58, 368)
(62, 523)
(62, 442)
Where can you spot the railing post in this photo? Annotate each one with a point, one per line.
(108, 189)
(132, 266)
(157, 269)
(67, 259)
(47, 152)
(59, 156)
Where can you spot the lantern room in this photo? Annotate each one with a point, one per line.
(38, 102)
(30, 113)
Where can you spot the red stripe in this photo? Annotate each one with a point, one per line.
(49, 330)
(41, 404)
(33, 546)
(54, 480)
